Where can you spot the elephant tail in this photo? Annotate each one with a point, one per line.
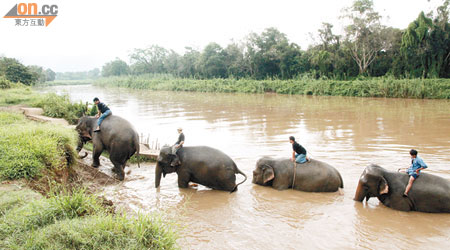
(245, 178)
(137, 145)
(342, 182)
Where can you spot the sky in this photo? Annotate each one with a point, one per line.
(86, 34)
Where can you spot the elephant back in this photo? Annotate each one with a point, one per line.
(317, 176)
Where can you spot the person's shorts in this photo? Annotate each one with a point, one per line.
(415, 175)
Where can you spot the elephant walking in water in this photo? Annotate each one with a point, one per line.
(313, 176)
(203, 165)
(429, 193)
(117, 137)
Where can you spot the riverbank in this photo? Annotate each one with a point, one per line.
(54, 105)
(64, 82)
(370, 87)
(46, 203)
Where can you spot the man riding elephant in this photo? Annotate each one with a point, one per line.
(103, 112)
(175, 162)
(299, 152)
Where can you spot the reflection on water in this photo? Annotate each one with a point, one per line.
(348, 133)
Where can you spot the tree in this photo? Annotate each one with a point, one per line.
(266, 52)
(38, 73)
(149, 60)
(15, 71)
(189, 63)
(172, 63)
(363, 33)
(115, 68)
(93, 73)
(50, 75)
(235, 62)
(213, 61)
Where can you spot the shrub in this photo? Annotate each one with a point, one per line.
(30, 148)
(61, 107)
(77, 221)
(4, 83)
(361, 87)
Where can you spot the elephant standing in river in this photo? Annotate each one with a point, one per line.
(204, 165)
(429, 193)
(117, 137)
(313, 176)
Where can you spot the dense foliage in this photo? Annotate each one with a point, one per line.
(362, 87)
(30, 149)
(65, 219)
(75, 220)
(367, 48)
(57, 106)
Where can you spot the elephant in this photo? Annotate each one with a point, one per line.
(313, 176)
(200, 164)
(429, 193)
(117, 137)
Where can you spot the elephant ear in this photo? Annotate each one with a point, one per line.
(383, 187)
(268, 173)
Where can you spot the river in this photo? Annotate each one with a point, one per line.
(348, 133)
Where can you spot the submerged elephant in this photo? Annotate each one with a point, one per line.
(313, 176)
(429, 193)
(203, 165)
(117, 137)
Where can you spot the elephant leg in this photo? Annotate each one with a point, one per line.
(98, 149)
(118, 157)
(118, 169)
(183, 179)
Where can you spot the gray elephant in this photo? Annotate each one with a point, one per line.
(313, 176)
(203, 165)
(117, 137)
(429, 193)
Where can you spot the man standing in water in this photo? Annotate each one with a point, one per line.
(103, 112)
(417, 164)
(299, 152)
(176, 146)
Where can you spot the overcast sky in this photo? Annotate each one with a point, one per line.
(86, 34)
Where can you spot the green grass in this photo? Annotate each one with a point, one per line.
(365, 87)
(76, 220)
(53, 105)
(29, 149)
(64, 219)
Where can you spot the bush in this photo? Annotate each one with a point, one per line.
(77, 221)
(4, 83)
(361, 87)
(60, 107)
(30, 148)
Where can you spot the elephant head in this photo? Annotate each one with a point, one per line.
(84, 129)
(371, 184)
(264, 172)
(163, 166)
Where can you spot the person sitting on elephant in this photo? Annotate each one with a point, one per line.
(103, 112)
(417, 164)
(176, 147)
(299, 152)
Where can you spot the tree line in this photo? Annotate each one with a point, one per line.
(14, 71)
(366, 48)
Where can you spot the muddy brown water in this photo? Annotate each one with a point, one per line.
(348, 133)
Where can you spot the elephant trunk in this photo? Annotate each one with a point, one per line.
(158, 173)
(84, 156)
(360, 192)
(80, 144)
